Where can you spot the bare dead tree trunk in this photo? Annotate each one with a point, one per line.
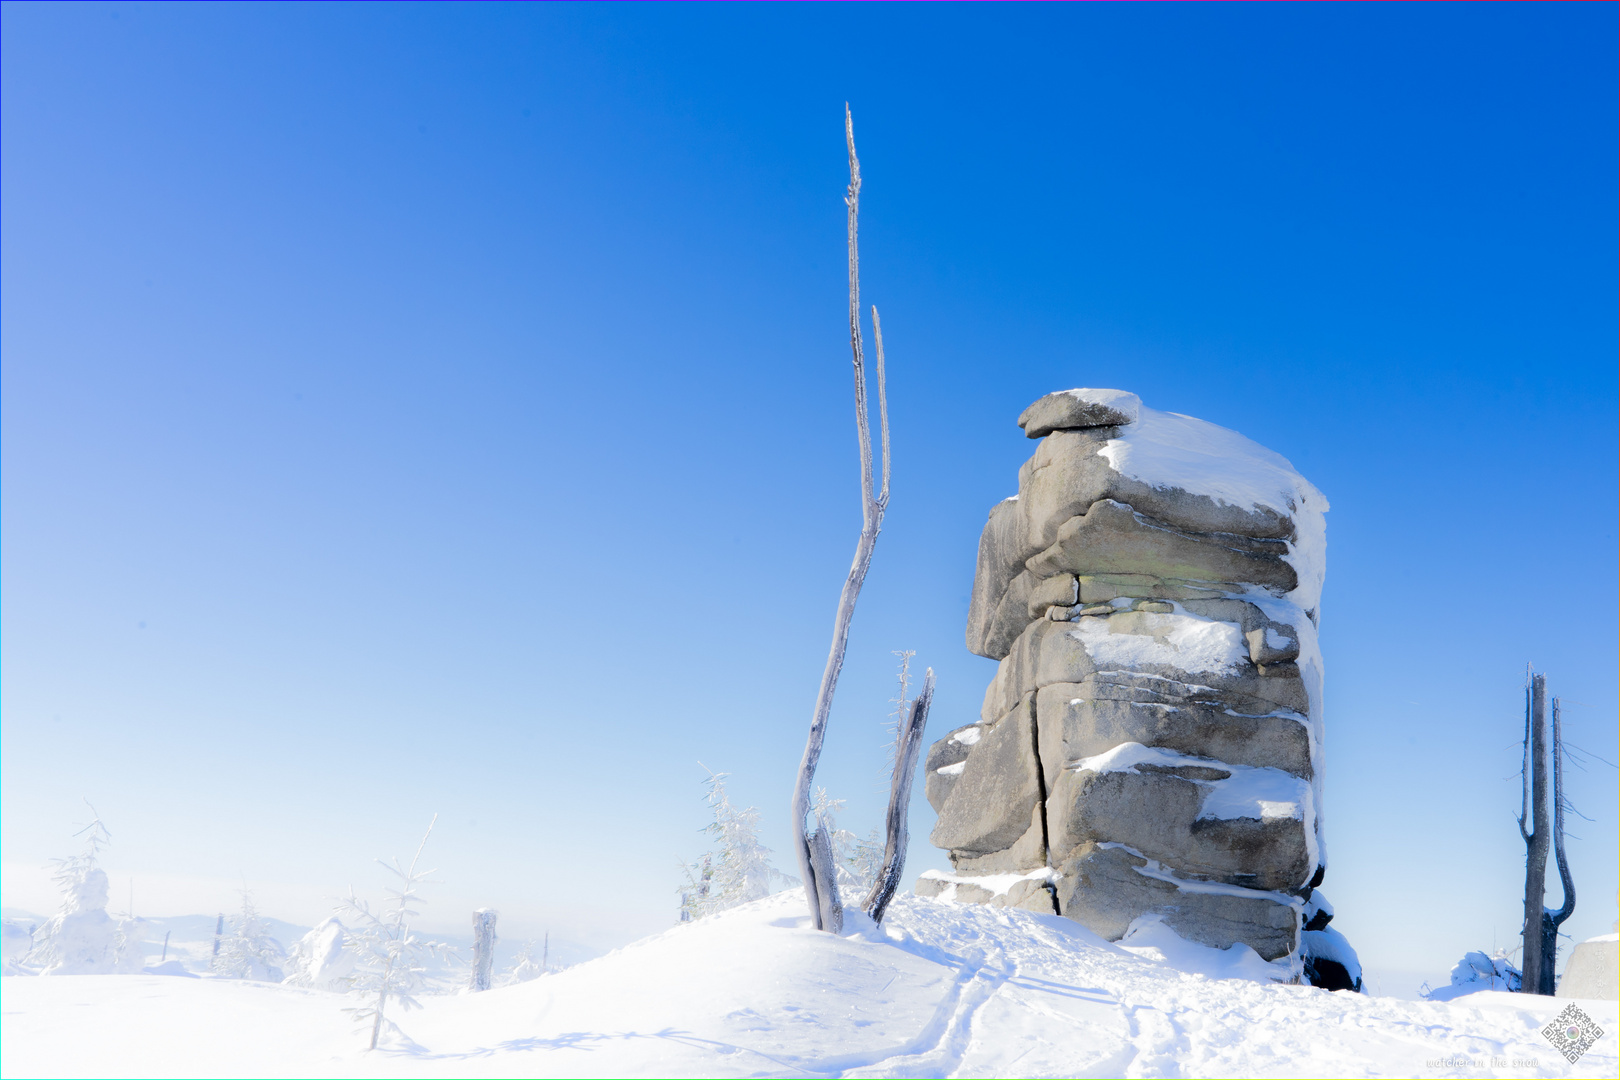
(1552, 920)
(1534, 809)
(905, 768)
(483, 967)
(820, 886)
(830, 910)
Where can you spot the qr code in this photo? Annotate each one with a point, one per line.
(1572, 1034)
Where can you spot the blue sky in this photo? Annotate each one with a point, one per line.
(446, 409)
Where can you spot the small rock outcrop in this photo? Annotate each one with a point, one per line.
(1151, 745)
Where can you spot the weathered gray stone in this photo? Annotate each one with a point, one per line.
(1032, 895)
(1157, 815)
(1026, 853)
(1262, 651)
(1103, 588)
(1010, 618)
(1101, 889)
(1082, 720)
(1054, 652)
(969, 893)
(1068, 409)
(1003, 547)
(990, 805)
(1111, 537)
(1066, 475)
(951, 750)
(1061, 591)
(1121, 614)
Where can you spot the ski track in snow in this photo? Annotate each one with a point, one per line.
(942, 989)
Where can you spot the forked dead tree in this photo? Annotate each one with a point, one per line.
(1540, 924)
(814, 851)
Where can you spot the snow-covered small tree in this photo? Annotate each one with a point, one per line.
(82, 939)
(247, 950)
(389, 960)
(524, 968)
(740, 871)
(859, 859)
(19, 942)
(695, 893)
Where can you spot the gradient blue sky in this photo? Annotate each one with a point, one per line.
(446, 409)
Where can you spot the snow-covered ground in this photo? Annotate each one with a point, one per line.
(942, 989)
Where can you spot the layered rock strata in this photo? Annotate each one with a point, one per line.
(1151, 744)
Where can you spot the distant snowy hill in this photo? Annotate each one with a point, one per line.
(941, 989)
(190, 941)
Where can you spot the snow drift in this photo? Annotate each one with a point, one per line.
(942, 989)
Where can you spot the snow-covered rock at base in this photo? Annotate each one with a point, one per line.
(1155, 725)
(941, 989)
(1330, 962)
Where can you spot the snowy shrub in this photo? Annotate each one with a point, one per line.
(1477, 971)
(82, 939)
(389, 960)
(859, 861)
(524, 968)
(740, 871)
(319, 961)
(19, 942)
(248, 951)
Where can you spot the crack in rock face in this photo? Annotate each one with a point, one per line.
(1151, 744)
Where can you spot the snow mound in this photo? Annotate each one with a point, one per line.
(941, 989)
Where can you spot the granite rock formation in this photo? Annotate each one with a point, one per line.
(1151, 744)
